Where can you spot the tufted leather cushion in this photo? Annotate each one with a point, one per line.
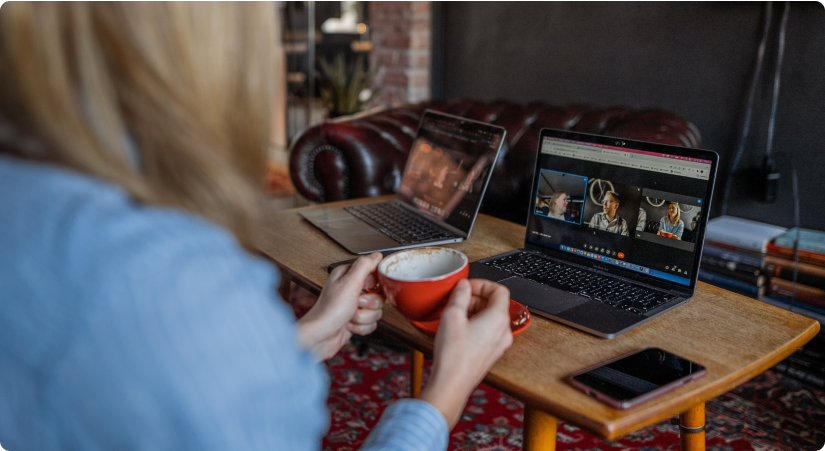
(364, 155)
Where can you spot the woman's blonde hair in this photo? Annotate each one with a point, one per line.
(171, 101)
(678, 213)
(553, 199)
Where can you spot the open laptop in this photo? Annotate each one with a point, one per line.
(598, 255)
(446, 175)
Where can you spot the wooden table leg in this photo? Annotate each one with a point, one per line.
(539, 430)
(692, 428)
(416, 371)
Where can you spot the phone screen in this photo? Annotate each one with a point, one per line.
(638, 374)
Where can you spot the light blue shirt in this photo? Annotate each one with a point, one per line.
(669, 227)
(125, 327)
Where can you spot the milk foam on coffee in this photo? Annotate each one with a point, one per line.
(422, 264)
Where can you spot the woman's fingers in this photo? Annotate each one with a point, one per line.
(356, 273)
(374, 301)
(487, 288)
(459, 302)
(365, 320)
(366, 316)
(365, 329)
(494, 318)
(489, 296)
(370, 282)
(338, 272)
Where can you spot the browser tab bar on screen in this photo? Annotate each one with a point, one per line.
(648, 161)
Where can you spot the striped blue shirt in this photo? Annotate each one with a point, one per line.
(148, 328)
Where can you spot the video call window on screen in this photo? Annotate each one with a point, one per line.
(669, 219)
(655, 216)
(626, 207)
(663, 218)
(560, 196)
(612, 207)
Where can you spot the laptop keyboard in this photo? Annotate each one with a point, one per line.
(607, 290)
(399, 224)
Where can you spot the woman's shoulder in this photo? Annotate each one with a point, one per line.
(160, 309)
(88, 208)
(99, 251)
(85, 221)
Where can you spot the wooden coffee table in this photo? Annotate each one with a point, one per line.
(734, 337)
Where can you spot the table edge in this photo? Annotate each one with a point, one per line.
(619, 428)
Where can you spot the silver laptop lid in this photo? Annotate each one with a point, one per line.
(626, 207)
(449, 167)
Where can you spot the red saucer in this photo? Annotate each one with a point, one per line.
(519, 320)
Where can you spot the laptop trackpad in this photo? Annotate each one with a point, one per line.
(541, 297)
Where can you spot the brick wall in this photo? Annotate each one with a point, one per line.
(400, 34)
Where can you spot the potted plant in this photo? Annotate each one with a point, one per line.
(345, 89)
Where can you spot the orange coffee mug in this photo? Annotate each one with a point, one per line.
(418, 282)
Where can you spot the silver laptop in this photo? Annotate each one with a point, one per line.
(614, 233)
(446, 175)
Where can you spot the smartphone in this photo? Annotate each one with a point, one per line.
(637, 377)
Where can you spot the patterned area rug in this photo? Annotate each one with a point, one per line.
(770, 413)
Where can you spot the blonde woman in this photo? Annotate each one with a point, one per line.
(132, 145)
(671, 225)
(556, 207)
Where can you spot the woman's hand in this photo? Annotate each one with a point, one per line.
(343, 309)
(473, 334)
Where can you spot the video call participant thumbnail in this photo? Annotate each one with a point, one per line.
(555, 207)
(608, 220)
(671, 225)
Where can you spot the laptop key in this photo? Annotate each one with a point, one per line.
(397, 223)
(631, 298)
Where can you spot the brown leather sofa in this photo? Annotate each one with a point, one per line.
(364, 155)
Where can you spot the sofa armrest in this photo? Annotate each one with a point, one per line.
(347, 159)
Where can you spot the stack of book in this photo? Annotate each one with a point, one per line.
(795, 264)
(734, 255)
(759, 260)
(798, 277)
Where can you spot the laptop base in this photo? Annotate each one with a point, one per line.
(357, 236)
(576, 311)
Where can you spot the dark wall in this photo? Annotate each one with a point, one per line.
(695, 59)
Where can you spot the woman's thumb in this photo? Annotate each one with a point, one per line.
(460, 296)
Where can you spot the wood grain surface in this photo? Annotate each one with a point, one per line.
(734, 337)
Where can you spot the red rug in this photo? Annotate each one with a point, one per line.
(769, 413)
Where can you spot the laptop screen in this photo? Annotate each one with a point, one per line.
(622, 204)
(449, 166)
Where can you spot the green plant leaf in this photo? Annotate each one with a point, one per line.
(355, 85)
(340, 85)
